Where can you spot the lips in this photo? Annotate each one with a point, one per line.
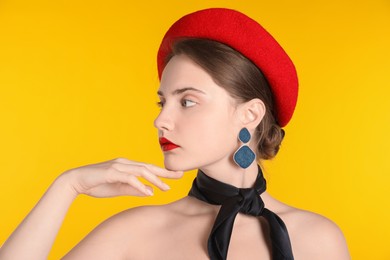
(167, 145)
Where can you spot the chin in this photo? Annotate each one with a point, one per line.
(178, 165)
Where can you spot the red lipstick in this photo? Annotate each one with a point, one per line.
(167, 145)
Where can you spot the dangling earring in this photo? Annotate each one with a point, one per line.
(244, 156)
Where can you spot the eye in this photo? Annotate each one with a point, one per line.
(188, 103)
(160, 104)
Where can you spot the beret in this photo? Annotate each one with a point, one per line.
(248, 37)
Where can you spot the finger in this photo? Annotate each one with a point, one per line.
(126, 190)
(140, 168)
(154, 179)
(162, 172)
(118, 176)
(144, 172)
(115, 189)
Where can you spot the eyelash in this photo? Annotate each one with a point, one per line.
(187, 100)
(160, 104)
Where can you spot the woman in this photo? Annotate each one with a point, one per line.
(226, 90)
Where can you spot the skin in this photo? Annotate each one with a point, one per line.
(204, 121)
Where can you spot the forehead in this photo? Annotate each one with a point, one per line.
(182, 72)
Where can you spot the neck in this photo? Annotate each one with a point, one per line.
(232, 174)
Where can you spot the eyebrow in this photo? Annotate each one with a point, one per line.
(181, 90)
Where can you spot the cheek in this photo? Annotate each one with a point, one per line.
(215, 133)
(205, 138)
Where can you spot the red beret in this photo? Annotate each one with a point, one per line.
(248, 37)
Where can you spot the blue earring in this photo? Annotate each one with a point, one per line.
(244, 156)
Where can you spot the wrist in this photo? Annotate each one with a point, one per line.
(65, 183)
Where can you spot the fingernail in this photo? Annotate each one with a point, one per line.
(149, 192)
(166, 187)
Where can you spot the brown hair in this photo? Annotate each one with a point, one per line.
(239, 77)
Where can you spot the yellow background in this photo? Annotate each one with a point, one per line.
(78, 85)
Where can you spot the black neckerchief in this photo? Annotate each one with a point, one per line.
(234, 200)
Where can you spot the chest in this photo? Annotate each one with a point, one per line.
(187, 239)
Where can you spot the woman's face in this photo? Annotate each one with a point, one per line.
(197, 116)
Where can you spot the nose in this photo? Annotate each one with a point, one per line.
(163, 121)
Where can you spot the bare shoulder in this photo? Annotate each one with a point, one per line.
(313, 236)
(127, 231)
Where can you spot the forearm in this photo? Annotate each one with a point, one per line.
(35, 236)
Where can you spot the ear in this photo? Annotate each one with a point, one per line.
(251, 113)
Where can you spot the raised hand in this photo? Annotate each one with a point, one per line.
(118, 177)
(34, 237)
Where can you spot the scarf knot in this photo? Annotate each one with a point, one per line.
(250, 202)
(234, 200)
